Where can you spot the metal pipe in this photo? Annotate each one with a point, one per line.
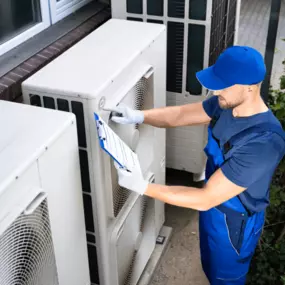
(270, 45)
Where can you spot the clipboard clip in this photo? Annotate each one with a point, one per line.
(101, 130)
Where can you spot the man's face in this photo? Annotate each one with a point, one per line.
(231, 97)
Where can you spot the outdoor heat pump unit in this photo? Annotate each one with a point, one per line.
(42, 231)
(197, 32)
(122, 62)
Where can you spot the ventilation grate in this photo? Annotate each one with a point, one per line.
(141, 90)
(197, 9)
(155, 8)
(195, 59)
(145, 201)
(49, 103)
(231, 26)
(120, 197)
(35, 100)
(155, 21)
(93, 264)
(175, 46)
(144, 205)
(129, 275)
(218, 29)
(27, 253)
(176, 8)
(134, 19)
(135, 6)
(78, 109)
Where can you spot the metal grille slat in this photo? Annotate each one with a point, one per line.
(27, 253)
(121, 195)
(175, 46)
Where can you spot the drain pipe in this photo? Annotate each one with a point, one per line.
(270, 45)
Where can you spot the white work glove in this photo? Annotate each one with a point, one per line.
(134, 180)
(125, 115)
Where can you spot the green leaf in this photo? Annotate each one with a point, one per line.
(282, 82)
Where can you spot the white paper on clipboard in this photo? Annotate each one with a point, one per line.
(112, 144)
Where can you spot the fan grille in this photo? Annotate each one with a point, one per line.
(27, 253)
(121, 195)
(145, 200)
(141, 90)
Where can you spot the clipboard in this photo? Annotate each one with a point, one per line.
(114, 146)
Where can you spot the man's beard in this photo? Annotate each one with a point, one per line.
(226, 105)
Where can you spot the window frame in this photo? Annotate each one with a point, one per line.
(63, 8)
(27, 34)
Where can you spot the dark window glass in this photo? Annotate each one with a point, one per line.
(197, 9)
(93, 264)
(49, 102)
(77, 109)
(155, 7)
(62, 105)
(176, 8)
(195, 57)
(175, 46)
(17, 16)
(135, 6)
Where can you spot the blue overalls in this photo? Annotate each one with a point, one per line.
(229, 233)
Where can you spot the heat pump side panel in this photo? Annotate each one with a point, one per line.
(101, 162)
(184, 148)
(20, 192)
(155, 57)
(60, 177)
(185, 145)
(27, 255)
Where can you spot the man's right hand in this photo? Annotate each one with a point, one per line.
(125, 115)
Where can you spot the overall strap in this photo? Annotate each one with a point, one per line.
(260, 128)
(214, 120)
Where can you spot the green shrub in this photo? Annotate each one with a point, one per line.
(268, 264)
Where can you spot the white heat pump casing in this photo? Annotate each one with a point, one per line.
(120, 62)
(39, 165)
(184, 149)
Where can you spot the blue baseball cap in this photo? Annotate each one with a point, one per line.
(236, 65)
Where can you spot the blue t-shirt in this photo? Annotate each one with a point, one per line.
(253, 164)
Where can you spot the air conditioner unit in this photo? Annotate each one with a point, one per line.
(42, 232)
(119, 63)
(197, 32)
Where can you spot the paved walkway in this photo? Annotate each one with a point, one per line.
(180, 264)
(254, 19)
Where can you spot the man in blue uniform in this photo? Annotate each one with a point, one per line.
(245, 145)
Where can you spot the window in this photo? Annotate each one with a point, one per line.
(62, 8)
(22, 19)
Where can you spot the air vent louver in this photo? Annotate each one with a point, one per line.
(27, 253)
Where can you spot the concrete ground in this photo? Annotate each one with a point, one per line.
(180, 264)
